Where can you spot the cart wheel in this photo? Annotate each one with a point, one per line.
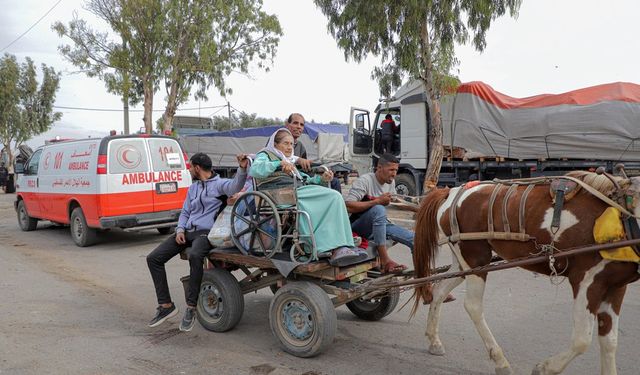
(26, 222)
(302, 318)
(220, 302)
(375, 308)
(255, 219)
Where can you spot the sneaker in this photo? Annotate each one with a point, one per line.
(188, 320)
(162, 314)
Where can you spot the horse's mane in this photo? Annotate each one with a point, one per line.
(599, 182)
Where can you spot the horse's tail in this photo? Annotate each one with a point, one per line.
(425, 243)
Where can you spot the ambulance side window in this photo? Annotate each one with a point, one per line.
(127, 155)
(32, 168)
(166, 154)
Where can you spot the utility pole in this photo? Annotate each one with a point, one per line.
(125, 96)
(229, 111)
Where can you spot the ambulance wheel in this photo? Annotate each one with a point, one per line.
(26, 222)
(81, 234)
(303, 319)
(165, 230)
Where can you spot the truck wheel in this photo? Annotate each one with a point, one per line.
(26, 222)
(303, 319)
(220, 302)
(375, 308)
(81, 234)
(406, 185)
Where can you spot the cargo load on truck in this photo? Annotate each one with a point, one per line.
(324, 143)
(600, 122)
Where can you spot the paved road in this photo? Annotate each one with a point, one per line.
(70, 310)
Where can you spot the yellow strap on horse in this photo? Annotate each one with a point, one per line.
(608, 228)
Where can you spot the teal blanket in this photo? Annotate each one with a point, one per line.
(330, 221)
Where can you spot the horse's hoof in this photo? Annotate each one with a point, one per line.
(504, 371)
(436, 350)
(538, 370)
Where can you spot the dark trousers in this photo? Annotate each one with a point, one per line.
(200, 247)
(387, 143)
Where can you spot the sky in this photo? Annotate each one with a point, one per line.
(553, 46)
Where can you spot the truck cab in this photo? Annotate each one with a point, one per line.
(409, 109)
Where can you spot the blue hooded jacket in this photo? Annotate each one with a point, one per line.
(202, 203)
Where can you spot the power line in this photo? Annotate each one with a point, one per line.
(131, 110)
(32, 26)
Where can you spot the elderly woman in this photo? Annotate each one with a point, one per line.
(331, 227)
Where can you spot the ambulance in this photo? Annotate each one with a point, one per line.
(130, 181)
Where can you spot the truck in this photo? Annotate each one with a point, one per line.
(488, 135)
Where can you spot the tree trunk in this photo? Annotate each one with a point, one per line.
(434, 140)
(147, 86)
(170, 110)
(12, 159)
(437, 152)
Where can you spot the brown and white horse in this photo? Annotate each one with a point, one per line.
(598, 285)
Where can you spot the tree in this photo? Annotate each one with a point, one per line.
(26, 107)
(131, 64)
(414, 39)
(212, 39)
(183, 42)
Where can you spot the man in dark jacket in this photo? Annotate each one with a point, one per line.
(195, 222)
(388, 131)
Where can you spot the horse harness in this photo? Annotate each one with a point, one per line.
(561, 188)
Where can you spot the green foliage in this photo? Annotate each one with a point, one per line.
(244, 120)
(26, 106)
(187, 44)
(413, 38)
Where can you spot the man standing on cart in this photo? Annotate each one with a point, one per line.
(196, 219)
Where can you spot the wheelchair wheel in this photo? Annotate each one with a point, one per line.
(255, 225)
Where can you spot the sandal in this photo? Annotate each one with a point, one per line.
(392, 267)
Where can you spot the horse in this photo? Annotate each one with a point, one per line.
(598, 284)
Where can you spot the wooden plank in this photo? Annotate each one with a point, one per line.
(235, 257)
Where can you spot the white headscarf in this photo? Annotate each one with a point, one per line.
(271, 147)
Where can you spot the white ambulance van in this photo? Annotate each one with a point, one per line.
(133, 181)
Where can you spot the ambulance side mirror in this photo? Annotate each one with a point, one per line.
(19, 168)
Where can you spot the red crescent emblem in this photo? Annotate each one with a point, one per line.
(128, 156)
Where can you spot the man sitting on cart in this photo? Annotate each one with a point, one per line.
(195, 222)
(367, 200)
(274, 167)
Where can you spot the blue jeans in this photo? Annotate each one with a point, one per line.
(373, 225)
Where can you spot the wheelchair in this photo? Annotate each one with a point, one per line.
(266, 222)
